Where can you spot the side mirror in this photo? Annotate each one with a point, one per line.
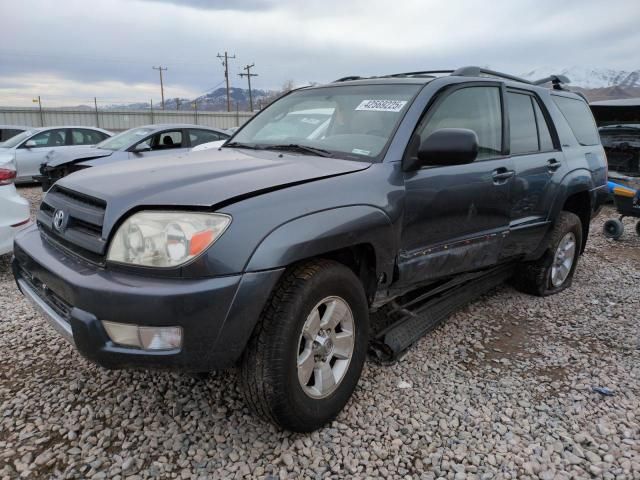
(141, 147)
(30, 144)
(447, 146)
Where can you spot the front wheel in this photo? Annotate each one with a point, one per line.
(553, 272)
(306, 354)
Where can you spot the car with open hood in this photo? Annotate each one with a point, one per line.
(299, 247)
(133, 144)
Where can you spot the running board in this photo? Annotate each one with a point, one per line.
(415, 319)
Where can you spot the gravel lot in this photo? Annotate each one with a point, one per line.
(502, 390)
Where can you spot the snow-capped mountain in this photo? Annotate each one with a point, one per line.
(589, 77)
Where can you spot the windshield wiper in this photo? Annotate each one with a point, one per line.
(300, 148)
(240, 145)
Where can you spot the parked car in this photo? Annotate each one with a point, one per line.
(136, 143)
(10, 131)
(425, 190)
(32, 147)
(619, 127)
(14, 209)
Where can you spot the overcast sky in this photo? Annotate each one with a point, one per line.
(70, 51)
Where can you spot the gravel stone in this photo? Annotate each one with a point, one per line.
(501, 390)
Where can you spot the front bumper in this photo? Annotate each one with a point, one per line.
(217, 314)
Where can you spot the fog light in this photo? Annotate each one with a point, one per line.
(160, 338)
(122, 333)
(146, 338)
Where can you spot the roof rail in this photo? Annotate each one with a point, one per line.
(346, 79)
(422, 72)
(477, 72)
(556, 81)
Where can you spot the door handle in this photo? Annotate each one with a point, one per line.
(502, 174)
(553, 164)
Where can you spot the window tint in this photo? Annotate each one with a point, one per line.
(475, 108)
(546, 142)
(198, 137)
(579, 118)
(522, 124)
(50, 138)
(86, 137)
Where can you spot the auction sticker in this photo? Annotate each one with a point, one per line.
(382, 105)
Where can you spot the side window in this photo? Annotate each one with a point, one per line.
(198, 137)
(86, 137)
(546, 142)
(522, 123)
(475, 108)
(167, 140)
(580, 119)
(50, 138)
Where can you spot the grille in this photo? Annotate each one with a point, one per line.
(81, 231)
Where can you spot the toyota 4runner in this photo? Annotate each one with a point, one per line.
(303, 244)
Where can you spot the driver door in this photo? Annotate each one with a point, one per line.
(47, 144)
(456, 216)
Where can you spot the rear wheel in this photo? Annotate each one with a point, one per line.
(553, 272)
(638, 228)
(306, 354)
(613, 228)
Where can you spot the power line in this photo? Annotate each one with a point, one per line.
(249, 75)
(160, 69)
(225, 63)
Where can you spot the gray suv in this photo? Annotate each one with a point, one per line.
(293, 255)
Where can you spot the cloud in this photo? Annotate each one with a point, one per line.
(314, 40)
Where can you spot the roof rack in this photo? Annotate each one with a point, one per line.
(471, 71)
(556, 81)
(478, 72)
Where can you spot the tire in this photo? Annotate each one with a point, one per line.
(553, 272)
(613, 228)
(638, 228)
(269, 369)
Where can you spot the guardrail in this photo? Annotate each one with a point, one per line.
(117, 120)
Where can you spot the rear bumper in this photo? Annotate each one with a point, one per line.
(217, 314)
(14, 212)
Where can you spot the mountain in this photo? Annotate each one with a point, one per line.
(589, 77)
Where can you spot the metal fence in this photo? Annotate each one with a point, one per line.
(117, 120)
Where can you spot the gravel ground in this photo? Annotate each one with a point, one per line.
(503, 389)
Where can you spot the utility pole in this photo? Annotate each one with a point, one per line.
(160, 69)
(249, 75)
(177, 103)
(40, 109)
(225, 64)
(95, 103)
(151, 110)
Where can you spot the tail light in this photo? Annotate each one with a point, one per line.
(6, 176)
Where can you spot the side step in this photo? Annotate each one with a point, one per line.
(423, 313)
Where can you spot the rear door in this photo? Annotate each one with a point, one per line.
(86, 136)
(163, 143)
(456, 217)
(538, 162)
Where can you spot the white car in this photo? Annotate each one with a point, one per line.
(35, 146)
(14, 209)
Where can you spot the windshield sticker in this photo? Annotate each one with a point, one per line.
(358, 151)
(381, 105)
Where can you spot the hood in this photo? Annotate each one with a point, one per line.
(76, 154)
(200, 179)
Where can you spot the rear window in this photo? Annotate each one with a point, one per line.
(580, 119)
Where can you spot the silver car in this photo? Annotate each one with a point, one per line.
(35, 146)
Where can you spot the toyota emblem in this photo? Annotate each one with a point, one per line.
(58, 220)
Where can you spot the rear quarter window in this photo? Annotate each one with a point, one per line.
(579, 118)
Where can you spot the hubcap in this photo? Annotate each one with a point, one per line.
(563, 259)
(325, 347)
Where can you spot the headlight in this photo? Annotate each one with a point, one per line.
(165, 239)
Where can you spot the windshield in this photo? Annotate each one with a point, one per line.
(354, 122)
(124, 140)
(15, 141)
